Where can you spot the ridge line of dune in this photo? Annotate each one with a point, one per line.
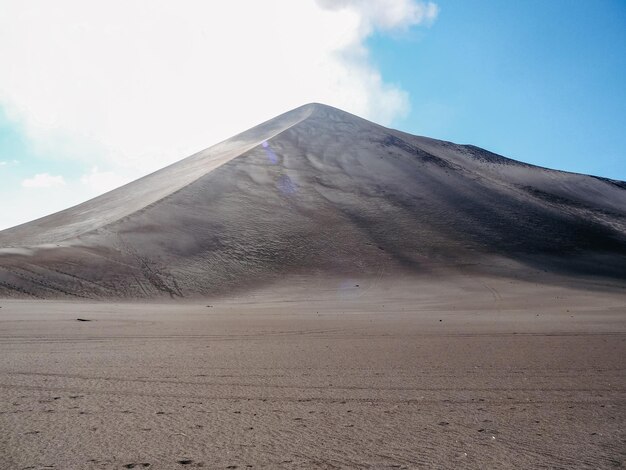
(47, 224)
(203, 174)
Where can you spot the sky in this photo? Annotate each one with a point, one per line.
(94, 95)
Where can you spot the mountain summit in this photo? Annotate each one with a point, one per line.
(319, 193)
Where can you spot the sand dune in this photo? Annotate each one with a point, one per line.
(318, 192)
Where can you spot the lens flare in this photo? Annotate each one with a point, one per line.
(271, 156)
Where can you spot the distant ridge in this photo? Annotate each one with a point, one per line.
(318, 193)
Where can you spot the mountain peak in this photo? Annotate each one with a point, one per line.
(318, 192)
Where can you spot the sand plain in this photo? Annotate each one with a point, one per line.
(476, 373)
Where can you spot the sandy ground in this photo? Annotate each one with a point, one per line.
(489, 374)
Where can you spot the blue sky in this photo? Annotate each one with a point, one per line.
(538, 81)
(92, 97)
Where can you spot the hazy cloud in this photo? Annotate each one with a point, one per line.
(102, 181)
(43, 180)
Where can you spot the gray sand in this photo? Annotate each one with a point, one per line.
(320, 192)
(479, 373)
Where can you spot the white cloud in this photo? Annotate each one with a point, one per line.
(136, 85)
(43, 180)
(386, 14)
(102, 181)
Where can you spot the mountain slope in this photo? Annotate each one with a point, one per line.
(317, 192)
